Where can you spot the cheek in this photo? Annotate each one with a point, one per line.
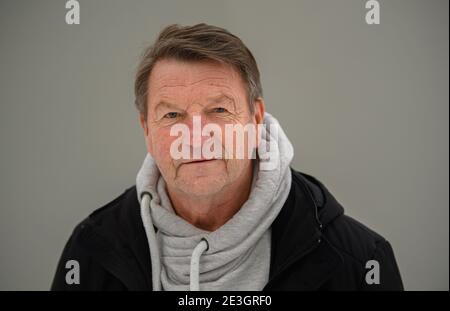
(161, 142)
(240, 147)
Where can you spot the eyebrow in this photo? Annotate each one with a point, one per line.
(166, 104)
(212, 100)
(220, 98)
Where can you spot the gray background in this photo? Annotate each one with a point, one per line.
(365, 106)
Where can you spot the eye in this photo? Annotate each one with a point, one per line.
(171, 115)
(219, 110)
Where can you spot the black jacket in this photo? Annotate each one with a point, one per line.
(314, 247)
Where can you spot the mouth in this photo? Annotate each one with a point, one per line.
(200, 161)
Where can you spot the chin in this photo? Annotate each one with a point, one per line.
(201, 186)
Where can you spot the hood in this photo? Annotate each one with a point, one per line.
(231, 252)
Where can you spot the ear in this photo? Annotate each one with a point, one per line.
(258, 116)
(143, 123)
(260, 109)
(148, 137)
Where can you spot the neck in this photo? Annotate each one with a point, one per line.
(211, 212)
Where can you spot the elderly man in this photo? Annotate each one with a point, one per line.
(202, 219)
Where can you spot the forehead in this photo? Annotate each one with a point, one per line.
(175, 76)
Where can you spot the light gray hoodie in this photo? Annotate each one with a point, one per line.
(236, 256)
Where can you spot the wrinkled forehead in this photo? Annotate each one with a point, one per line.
(174, 76)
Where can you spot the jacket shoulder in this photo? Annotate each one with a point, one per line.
(111, 208)
(353, 238)
(342, 231)
(363, 251)
(93, 275)
(357, 245)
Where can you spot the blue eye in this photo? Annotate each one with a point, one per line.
(219, 110)
(171, 115)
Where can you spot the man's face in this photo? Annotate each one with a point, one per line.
(216, 93)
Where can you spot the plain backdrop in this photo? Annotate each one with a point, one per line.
(366, 107)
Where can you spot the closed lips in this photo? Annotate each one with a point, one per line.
(198, 161)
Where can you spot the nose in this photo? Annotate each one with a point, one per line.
(196, 124)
